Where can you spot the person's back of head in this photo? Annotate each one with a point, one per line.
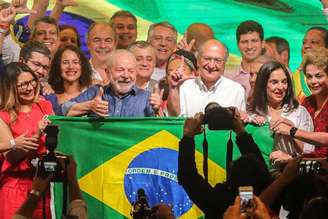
(200, 32)
(249, 171)
(316, 208)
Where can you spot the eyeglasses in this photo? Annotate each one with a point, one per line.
(39, 65)
(24, 85)
(217, 61)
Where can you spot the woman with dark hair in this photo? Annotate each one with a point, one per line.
(274, 100)
(22, 121)
(315, 68)
(68, 35)
(70, 74)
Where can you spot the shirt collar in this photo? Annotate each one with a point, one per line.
(241, 70)
(203, 87)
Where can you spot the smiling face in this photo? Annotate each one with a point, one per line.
(146, 61)
(39, 64)
(163, 39)
(70, 66)
(68, 37)
(177, 63)
(313, 39)
(26, 87)
(211, 62)
(250, 45)
(277, 87)
(316, 79)
(47, 34)
(101, 41)
(123, 72)
(126, 30)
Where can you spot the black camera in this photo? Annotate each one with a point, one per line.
(218, 117)
(309, 167)
(141, 209)
(52, 163)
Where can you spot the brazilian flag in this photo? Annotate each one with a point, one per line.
(117, 156)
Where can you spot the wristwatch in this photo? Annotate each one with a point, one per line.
(293, 131)
(12, 143)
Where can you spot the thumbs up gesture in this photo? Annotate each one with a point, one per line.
(98, 105)
(155, 98)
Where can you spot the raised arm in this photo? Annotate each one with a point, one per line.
(59, 8)
(40, 7)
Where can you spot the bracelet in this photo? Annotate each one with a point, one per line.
(4, 25)
(35, 192)
(12, 143)
(293, 131)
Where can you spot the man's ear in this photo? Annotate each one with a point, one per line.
(284, 56)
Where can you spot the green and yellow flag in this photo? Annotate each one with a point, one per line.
(117, 156)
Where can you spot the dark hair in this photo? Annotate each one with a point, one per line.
(281, 44)
(249, 171)
(315, 209)
(55, 79)
(190, 58)
(260, 99)
(65, 26)
(47, 20)
(34, 46)
(249, 26)
(122, 13)
(323, 30)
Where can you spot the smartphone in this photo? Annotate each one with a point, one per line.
(247, 203)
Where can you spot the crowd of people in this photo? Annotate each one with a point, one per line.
(47, 73)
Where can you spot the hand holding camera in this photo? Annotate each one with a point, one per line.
(193, 126)
(259, 211)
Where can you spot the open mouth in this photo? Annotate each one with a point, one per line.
(162, 50)
(125, 37)
(102, 51)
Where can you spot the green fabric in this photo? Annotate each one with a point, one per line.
(94, 141)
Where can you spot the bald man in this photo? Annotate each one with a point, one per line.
(121, 98)
(210, 86)
(101, 40)
(199, 32)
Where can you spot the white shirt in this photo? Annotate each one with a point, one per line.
(10, 50)
(301, 119)
(158, 74)
(194, 95)
(95, 75)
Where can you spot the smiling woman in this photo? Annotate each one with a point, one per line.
(70, 74)
(274, 100)
(22, 121)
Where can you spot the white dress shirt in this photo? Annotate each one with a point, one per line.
(194, 95)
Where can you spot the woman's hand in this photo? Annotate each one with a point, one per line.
(279, 156)
(26, 143)
(256, 119)
(42, 124)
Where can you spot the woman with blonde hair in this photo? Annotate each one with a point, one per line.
(22, 120)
